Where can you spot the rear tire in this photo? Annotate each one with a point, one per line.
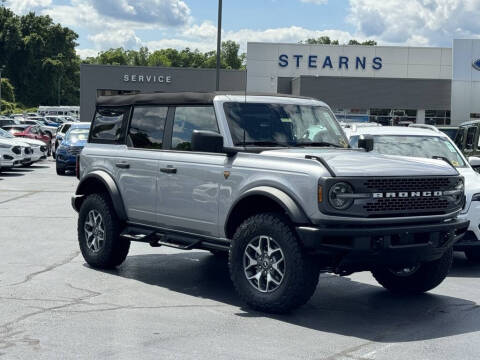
(97, 217)
(473, 254)
(300, 272)
(426, 277)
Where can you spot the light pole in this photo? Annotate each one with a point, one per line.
(219, 42)
(2, 67)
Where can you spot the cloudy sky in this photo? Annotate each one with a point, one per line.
(103, 24)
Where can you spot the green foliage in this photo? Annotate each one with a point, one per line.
(40, 58)
(8, 92)
(230, 59)
(325, 40)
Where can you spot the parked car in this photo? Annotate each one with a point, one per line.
(71, 146)
(7, 121)
(38, 147)
(59, 135)
(11, 154)
(49, 130)
(272, 181)
(31, 132)
(429, 142)
(468, 139)
(451, 131)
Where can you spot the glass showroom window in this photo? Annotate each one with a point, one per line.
(437, 117)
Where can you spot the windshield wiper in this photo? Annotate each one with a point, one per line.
(318, 143)
(261, 143)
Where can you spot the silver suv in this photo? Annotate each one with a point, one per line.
(272, 182)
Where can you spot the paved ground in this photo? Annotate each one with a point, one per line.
(166, 304)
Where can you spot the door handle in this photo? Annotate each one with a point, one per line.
(122, 165)
(169, 170)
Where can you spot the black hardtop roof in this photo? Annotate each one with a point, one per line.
(178, 98)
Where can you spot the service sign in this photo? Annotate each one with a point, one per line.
(143, 78)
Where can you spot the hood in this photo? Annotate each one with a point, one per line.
(31, 141)
(13, 142)
(76, 143)
(360, 163)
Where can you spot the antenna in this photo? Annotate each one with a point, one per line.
(246, 83)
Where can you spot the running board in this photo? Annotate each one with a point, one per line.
(157, 238)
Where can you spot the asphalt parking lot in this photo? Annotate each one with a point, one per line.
(167, 304)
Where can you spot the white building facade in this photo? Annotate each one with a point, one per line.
(377, 83)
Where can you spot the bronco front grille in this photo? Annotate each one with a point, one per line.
(410, 184)
(401, 204)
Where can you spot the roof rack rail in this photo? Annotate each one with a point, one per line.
(424, 126)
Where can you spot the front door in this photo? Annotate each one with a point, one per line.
(190, 197)
(138, 166)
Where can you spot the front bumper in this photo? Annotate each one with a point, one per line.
(360, 247)
(472, 237)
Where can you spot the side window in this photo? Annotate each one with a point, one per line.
(147, 127)
(33, 130)
(459, 138)
(108, 124)
(66, 127)
(189, 118)
(470, 138)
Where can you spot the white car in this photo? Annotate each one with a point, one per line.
(59, 135)
(428, 142)
(37, 149)
(13, 153)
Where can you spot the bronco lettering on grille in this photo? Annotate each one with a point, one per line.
(406, 194)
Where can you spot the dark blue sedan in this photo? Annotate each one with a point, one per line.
(73, 143)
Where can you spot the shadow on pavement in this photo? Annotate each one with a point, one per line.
(463, 267)
(10, 173)
(340, 305)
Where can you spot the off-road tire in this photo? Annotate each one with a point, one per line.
(301, 271)
(60, 170)
(115, 248)
(427, 277)
(473, 254)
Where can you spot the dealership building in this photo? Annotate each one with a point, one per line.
(387, 84)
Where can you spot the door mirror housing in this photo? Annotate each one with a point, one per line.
(474, 162)
(366, 142)
(207, 141)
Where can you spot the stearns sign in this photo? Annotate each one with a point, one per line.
(329, 62)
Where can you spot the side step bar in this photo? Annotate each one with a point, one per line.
(182, 241)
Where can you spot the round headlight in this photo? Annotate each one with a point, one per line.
(337, 196)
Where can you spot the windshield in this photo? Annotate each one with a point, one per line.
(75, 135)
(415, 146)
(6, 134)
(260, 124)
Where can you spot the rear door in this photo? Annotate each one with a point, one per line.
(189, 197)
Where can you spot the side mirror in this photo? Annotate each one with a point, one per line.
(474, 162)
(366, 142)
(207, 141)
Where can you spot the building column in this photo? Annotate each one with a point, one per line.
(421, 116)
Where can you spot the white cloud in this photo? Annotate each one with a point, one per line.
(162, 12)
(84, 53)
(24, 6)
(204, 37)
(317, 2)
(416, 22)
(116, 38)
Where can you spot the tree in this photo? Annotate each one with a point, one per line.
(116, 56)
(325, 40)
(230, 54)
(8, 92)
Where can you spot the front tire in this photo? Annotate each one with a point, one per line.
(415, 280)
(99, 233)
(473, 254)
(268, 268)
(60, 170)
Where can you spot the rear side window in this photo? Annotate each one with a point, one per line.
(470, 138)
(66, 127)
(108, 125)
(459, 138)
(189, 118)
(147, 127)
